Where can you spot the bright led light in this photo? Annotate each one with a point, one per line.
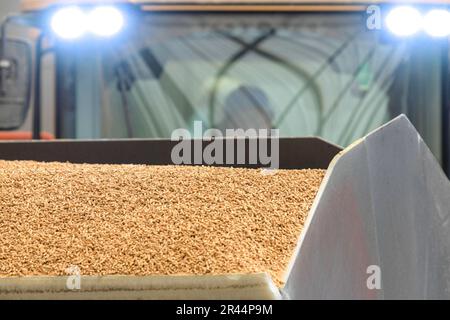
(404, 21)
(437, 23)
(105, 21)
(69, 23)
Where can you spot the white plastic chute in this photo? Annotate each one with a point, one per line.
(384, 204)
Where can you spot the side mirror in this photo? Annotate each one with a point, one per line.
(15, 82)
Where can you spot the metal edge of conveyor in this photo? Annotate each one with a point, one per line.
(294, 153)
(216, 287)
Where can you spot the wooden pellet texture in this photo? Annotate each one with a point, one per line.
(150, 220)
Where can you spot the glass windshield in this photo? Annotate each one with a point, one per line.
(305, 74)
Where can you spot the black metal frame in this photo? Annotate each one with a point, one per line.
(37, 90)
(40, 53)
(445, 113)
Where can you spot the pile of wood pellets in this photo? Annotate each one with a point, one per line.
(150, 220)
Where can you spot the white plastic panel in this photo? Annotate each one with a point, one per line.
(386, 202)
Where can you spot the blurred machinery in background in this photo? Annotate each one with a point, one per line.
(335, 69)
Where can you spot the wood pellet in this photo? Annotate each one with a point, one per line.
(150, 220)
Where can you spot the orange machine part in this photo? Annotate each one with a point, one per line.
(23, 135)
